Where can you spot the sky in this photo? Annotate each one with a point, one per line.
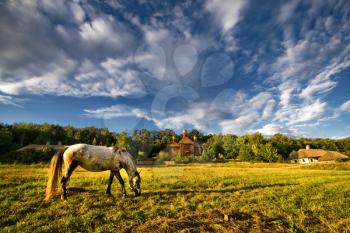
(220, 66)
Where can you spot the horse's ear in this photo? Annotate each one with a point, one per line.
(139, 171)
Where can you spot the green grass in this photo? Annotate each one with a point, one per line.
(188, 198)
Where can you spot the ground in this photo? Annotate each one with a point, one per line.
(225, 197)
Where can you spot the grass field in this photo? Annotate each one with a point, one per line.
(226, 197)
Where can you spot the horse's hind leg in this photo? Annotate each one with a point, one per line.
(121, 181)
(68, 172)
(111, 176)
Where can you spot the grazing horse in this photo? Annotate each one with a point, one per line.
(95, 159)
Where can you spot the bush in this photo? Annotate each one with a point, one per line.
(163, 156)
(184, 159)
(140, 154)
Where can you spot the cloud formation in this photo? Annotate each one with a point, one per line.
(245, 67)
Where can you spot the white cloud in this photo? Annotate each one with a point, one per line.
(226, 12)
(240, 125)
(271, 129)
(317, 88)
(322, 83)
(105, 31)
(268, 110)
(74, 58)
(287, 10)
(154, 36)
(52, 81)
(202, 116)
(306, 70)
(9, 100)
(116, 111)
(238, 102)
(78, 12)
(345, 107)
(110, 78)
(298, 114)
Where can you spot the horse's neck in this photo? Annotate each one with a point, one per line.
(129, 166)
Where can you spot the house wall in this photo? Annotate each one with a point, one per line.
(304, 160)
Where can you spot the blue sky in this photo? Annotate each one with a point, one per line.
(234, 66)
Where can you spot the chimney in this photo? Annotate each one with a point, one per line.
(307, 147)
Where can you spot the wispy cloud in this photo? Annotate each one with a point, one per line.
(9, 100)
(226, 12)
(345, 107)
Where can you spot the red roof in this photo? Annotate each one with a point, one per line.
(186, 140)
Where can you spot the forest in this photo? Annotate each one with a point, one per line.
(143, 143)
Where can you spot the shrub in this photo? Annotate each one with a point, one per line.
(140, 154)
(163, 156)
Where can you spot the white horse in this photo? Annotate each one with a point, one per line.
(95, 159)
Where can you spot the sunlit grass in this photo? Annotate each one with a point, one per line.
(196, 197)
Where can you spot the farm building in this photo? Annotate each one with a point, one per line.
(38, 147)
(185, 146)
(316, 155)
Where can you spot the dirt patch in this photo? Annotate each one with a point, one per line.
(215, 221)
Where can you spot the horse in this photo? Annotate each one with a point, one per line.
(95, 159)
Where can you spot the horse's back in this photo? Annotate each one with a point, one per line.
(92, 158)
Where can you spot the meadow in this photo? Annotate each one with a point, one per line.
(221, 197)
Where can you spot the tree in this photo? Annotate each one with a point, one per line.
(283, 144)
(5, 140)
(268, 153)
(213, 147)
(246, 153)
(230, 146)
(123, 140)
(94, 142)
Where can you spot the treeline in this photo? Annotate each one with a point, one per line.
(256, 147)
(148, 143)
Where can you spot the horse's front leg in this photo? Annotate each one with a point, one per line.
(121, 181)
(111, 176)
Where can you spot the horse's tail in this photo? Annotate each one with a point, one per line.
(54, 174)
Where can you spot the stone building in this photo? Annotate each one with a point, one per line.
(185, 146)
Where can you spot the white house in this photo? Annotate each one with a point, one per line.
(315, 155)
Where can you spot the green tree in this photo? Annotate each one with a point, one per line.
(231, 146)
(5, 140)
(94, 142)
(214, 146)
(246, 153)
(123, 140)
(268, 153)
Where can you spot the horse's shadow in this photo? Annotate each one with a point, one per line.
(229, 190)
(76, 190)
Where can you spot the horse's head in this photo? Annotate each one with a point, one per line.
(135, 183)
(134, 175)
